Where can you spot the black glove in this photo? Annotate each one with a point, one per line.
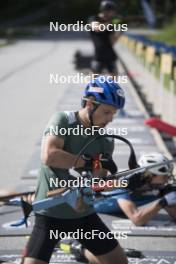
(136, 180)
(88, 161)
(99, 161)
(167, 189)
(169, 199)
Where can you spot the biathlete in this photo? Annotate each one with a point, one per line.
(101, 101)
(103, 39)
(156, 193)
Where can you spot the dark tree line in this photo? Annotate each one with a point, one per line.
(73, 10)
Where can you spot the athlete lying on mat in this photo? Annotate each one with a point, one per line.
(155, 194)
(156, 190)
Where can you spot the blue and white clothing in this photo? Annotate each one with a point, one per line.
(109, 202)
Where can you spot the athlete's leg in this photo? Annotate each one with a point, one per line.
(33, 261)
(40, 245)
(102, 247)
(171, 210)
(115, 256)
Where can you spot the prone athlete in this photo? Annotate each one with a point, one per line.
(152, 190)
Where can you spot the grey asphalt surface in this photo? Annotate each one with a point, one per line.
(27, 100)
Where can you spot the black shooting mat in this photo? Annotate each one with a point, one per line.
(148, 257)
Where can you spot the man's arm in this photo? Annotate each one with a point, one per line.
(95, 26)
(53, 155)
(139, 216)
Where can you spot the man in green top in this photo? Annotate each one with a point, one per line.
(103, 97)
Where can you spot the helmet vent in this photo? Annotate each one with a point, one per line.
(163, 169)
(94, 84)
(102, 96)
(151, 161)
(113, 97)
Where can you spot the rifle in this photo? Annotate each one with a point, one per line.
(123, 174)
(70, 195)
(141, 169)
(118, 175)
(13, 194)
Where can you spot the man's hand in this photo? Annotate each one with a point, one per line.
(84, 200)
(168, 199)
(100, 161)
(167, 189)
(87, 194)
(95, 26)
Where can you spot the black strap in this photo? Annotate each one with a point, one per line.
(90, 113)
(132, 162)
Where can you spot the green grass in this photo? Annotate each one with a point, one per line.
(2, 45)
(17, 33)
(168, 34)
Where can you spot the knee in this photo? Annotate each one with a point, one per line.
(117, 261)
(117, 256)
(123, 260)
(33, 261)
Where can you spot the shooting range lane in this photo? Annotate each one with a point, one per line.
(159, 226)
(148, 257)
(143, 141)
(10, 217)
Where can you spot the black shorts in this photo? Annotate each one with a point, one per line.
(99, 66)
(41, 243)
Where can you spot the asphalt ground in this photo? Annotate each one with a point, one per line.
(28, 100)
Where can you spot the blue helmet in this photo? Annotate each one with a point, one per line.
(106, 91)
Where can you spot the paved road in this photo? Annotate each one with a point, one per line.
(27, 101)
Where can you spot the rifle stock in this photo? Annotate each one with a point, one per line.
(11, 195)
(56, 192)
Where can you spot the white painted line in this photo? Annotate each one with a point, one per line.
(137, 141)
(131, 128)
(9, 226)
(34, 172)
(128, 121)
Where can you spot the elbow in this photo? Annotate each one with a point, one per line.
(46, 159)
(137, 220)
